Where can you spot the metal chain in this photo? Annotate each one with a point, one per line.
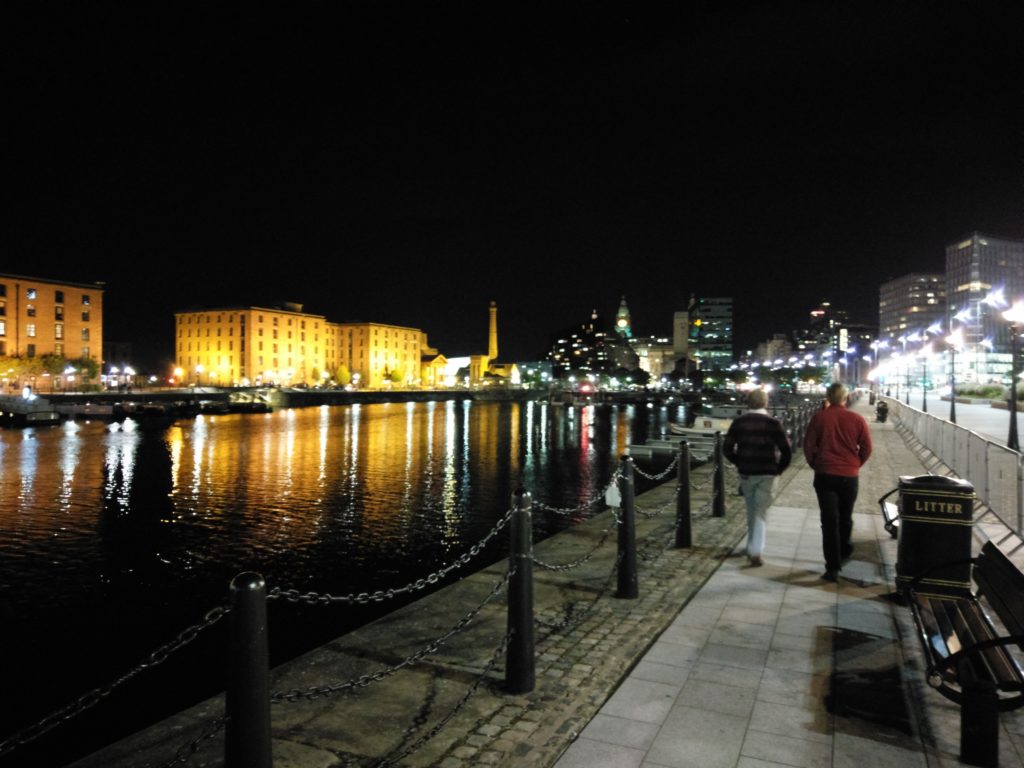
(96, 695)
(182, 756)
(671, 502)
(363, 598)
(314, 692)
(487, 671)
(581, 560)
(573, 618)
(664, 473)
(589, 504)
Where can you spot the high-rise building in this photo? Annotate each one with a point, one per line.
(710, 331)
(983, 274)
(911, 303)
(46, 317)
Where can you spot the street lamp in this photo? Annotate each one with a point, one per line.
(954, 340)
(1015, 316)
(926, 350)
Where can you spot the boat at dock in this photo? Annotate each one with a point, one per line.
(27, 411)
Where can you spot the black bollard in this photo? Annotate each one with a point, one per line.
(718, 472)
(628, 587)
(520, 666)
(247, 734)
(683, 534)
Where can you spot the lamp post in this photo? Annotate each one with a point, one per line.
(926, 350)
(1015, 316)
(954, 340)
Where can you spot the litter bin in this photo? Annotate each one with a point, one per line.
(936, 515)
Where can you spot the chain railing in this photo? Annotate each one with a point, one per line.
(96, 695)
(625, 567)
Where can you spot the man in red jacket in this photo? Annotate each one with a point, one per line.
(836, 445)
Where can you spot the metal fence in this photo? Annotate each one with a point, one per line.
(995, 471)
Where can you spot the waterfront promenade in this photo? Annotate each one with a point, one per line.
(714, 664)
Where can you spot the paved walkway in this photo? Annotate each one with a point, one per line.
(774, 666)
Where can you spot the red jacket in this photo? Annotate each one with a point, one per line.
(837, 442)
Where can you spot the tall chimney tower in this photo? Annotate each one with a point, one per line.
(492, 337)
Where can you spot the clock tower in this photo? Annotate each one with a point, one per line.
(622, 324)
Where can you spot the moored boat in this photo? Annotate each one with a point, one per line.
(27, 411)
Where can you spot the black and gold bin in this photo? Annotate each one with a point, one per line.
(936, 515)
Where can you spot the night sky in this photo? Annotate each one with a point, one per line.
(408, 163)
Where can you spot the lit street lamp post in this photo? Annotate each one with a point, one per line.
(925, 351)
(954, 340)
(1015, 315)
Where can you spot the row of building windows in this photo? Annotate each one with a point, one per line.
(31, 331)
(32, 294)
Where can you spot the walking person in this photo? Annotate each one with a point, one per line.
(837, 443)
(757, 444)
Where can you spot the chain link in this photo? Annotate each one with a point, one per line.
(184, 754)
(364, 598)
(581, 560)
(487, 672)
(664, 473)
(314, 692)
(587, 505)
(96, 695)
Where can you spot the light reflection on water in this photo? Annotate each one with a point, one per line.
(120, 527)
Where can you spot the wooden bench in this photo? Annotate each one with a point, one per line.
(971, 660)
(890, 514)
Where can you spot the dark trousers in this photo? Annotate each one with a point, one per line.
(836, 496)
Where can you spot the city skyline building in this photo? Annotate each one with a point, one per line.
(911, 303)
(984, 275)
(710, 321)
(41, 317)
(284, 345)
(590, 348)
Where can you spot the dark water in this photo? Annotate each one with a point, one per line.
(116, 537)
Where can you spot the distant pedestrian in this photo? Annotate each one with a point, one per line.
(836, 445)
(757, 444)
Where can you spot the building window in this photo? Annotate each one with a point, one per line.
(3, 327)
(30, 310)
(85, 353)
(58, 349)
(30, 330)
(58, 296)
(58, 313)
(31, 350)
(31, 294)
(85, 334)
(86, 301)
(85, 315)
(58, 331)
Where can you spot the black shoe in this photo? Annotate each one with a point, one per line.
(830, 575)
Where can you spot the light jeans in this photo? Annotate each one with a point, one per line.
(758, 491)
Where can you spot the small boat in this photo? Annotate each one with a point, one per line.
(27, 411)
(700, 424)
(245, 402)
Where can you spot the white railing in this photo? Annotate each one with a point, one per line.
(995, 471)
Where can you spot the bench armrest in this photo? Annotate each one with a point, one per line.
(934, 673)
